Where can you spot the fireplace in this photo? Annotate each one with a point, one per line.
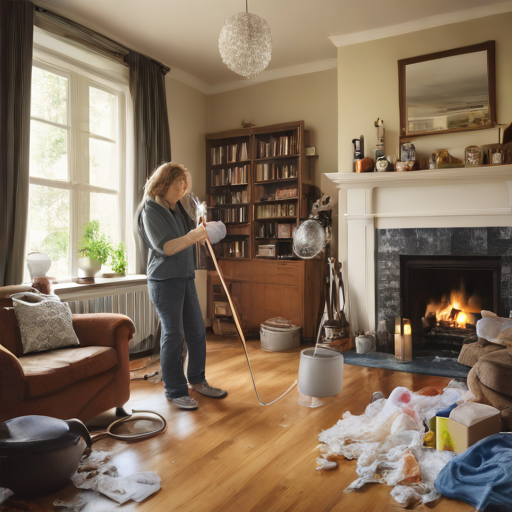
(444, 295)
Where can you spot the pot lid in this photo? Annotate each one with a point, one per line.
(27, 435)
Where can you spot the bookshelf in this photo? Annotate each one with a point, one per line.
(260, 185)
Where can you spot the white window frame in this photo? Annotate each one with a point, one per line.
(80, 78)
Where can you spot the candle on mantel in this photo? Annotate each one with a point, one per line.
(403, 340)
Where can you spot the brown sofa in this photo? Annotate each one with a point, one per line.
(490, 376)
(79, 382)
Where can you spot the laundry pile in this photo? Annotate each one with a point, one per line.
(387, 441)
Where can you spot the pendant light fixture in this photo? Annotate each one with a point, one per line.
(245, 43)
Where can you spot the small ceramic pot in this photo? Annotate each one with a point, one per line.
(365, 344)
(89, 267)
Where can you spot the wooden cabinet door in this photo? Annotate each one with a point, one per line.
(272, 300)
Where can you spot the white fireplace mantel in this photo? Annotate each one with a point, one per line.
(460, 197)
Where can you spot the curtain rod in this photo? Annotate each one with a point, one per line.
(119, 55)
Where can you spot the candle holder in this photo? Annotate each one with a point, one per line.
(403, 340)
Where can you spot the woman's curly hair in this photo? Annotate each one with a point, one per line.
(164, 176)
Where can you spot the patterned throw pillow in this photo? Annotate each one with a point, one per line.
(45, 325)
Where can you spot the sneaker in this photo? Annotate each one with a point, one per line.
(184, 402)
(205, 389)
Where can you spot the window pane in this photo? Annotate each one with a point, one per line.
(49, 96)
(102, 113)
(48, 151)
(102, 163)
(104, 208)
(49, 226)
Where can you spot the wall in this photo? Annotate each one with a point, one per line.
(311, 97)
(368, 85)
(368, 89)
(188, 122)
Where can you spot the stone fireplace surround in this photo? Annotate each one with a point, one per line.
(393, 243)
(463, 211)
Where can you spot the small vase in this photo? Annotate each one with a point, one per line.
(38, 264)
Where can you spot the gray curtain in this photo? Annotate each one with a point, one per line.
(151, 129)
(16, 36)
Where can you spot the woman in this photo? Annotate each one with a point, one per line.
(170, 234)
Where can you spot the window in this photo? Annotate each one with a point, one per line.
(76, 157)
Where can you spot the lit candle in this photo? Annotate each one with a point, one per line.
(407, 341)
(403, 341)
(399, 341)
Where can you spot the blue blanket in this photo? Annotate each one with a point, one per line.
(481, 476)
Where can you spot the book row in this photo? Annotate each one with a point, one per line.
(234, 249)
(269, 211)
(230, 153)
(229, 197)
(229, 215)
(230, 176)
(279, 146)
(270, 171)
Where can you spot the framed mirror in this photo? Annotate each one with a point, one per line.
(448, 91)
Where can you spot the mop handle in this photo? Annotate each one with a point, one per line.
(239, 328)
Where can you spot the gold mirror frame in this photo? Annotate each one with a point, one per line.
(489, 47)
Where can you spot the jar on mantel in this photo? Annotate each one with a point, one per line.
(473, 155)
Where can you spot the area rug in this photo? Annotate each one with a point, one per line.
(425, 365)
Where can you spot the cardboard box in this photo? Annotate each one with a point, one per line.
(466, 424)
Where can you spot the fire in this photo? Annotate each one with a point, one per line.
(456, 311)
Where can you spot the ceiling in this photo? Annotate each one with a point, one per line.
(183, 33)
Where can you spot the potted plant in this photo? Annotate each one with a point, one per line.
(119, 259)
(93, 251)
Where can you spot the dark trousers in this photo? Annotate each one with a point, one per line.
(181, 320)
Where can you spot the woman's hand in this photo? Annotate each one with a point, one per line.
(200, 233)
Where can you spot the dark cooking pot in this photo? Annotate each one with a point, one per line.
(39, 454)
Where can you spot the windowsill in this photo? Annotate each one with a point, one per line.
(102, 286)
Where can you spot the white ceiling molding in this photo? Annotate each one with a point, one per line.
(274, 74)
(420, 24)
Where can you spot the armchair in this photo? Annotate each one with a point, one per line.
(79, 382)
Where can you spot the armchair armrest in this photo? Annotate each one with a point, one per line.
(103, 329)
(12, 379)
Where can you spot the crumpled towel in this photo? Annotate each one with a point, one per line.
(216, 231)
(482, 475)
(494, 329)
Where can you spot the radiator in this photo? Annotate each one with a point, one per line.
(134, 304)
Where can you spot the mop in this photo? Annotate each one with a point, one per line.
(201, 215)
(239, 329)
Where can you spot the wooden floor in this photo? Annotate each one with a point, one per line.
(236, 455)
